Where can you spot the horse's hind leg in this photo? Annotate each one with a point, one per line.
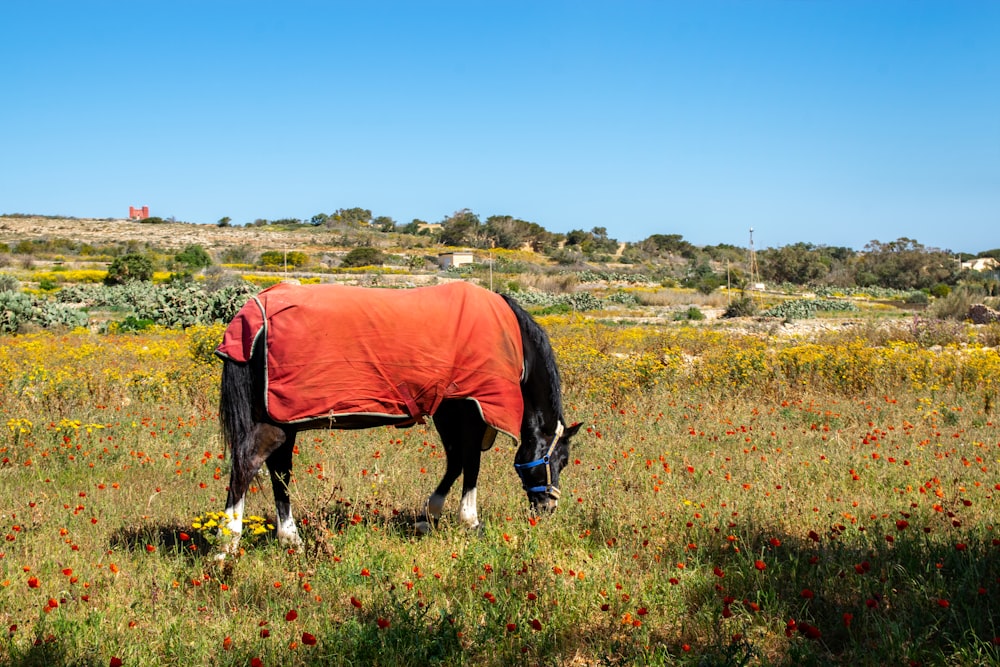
(462, 434)
(279, 464)
(262, 441)
(435, 504)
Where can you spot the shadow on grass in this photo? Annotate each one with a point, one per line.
(182, 541)
(883, 596)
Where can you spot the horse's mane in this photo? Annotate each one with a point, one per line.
(539, 340)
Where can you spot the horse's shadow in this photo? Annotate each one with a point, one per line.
(316, 529)
(183, 541)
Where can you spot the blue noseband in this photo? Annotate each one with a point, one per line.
(523, 468)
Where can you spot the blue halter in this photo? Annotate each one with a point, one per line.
(522, 468)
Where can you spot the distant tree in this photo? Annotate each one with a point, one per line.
(659, 245)
(576, 237)
(591, 243)
(224, 222)
(129, 267)
(153, 220)
(354, 217)
(905, 264)
(722, 252)
(194, 257)
(412, 227)
(319, 219)
(460, 229)
(363, 257)
(384, 223)
(798, 263)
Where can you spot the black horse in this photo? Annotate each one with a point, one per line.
(254, 436)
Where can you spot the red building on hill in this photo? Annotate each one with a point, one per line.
(138, 213)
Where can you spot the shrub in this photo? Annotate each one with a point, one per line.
(8, 283)
(241, 254)
(194, 257)
(692, 313)
(363, 256)
(954, 306)
(129, 267)
(293, 258)
(742, 307)
(940, 290)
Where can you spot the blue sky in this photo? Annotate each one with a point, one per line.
(823, 121)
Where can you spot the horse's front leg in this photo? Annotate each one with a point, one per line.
(248, 457)
(468, 512)
(279, 464)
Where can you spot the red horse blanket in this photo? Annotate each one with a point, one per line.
(334, 350)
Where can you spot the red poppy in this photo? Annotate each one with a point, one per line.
(256, 662)
(810, 631)
(536, 624)
(115, 662)
(718, 572)
(511, 627)
(383, 623)
(227, 643)
(33, 582)
(355, 602)
(308, 639)
(807, 594)
(291, 615)
(760, 565)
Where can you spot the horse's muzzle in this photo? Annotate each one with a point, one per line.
(544, 504)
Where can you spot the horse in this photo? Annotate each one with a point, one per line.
(307, 357)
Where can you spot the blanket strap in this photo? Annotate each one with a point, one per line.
(411, 405)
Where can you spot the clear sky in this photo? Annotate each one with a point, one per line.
(832, 122)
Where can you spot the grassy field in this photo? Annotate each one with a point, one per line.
(734, 499)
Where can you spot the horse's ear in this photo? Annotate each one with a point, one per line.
(572, 429)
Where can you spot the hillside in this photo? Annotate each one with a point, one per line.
(165, 236)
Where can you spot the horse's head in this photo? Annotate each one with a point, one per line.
(538, 462)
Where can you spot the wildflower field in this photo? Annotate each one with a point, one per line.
(735, 498)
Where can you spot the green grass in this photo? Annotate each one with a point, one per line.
(692, 530)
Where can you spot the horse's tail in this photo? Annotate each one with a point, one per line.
(236, 409)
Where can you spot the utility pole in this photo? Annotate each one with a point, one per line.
(754, 272)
